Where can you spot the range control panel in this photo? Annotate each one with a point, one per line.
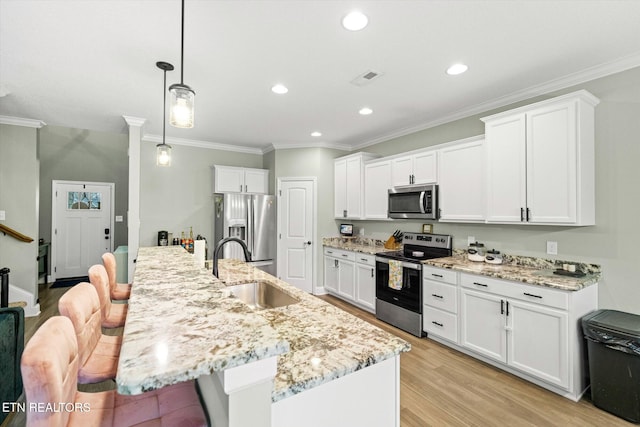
(428, 240)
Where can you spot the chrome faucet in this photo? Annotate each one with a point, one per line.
(221, 243)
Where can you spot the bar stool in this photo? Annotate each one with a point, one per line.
(49, 368)
(99, 353)
(113, 315)
(119, 291)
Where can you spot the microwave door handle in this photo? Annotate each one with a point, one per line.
(422, 197)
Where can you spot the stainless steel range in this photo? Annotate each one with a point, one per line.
(399, 286)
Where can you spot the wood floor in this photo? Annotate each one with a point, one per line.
(443, 387)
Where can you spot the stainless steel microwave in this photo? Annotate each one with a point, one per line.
(413, 201)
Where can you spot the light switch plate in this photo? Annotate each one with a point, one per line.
(118, 218)
(552, 247)
(3, 215)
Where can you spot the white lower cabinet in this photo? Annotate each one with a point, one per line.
(531, 331)
(440, 303)
(351, 277)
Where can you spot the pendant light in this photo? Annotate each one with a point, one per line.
(182, 96)
(163, 150)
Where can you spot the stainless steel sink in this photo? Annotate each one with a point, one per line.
(261, 295)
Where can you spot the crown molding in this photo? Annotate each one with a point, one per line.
(202, 144)
(134, 121)
(592, 73)
(331, 145)
(19, 121)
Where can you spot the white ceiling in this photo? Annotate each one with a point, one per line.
(86, 63)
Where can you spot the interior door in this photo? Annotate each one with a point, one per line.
(295, 232)
(81, 226)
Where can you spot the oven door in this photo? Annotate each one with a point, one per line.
(410, 296)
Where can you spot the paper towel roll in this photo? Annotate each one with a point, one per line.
(198, 252)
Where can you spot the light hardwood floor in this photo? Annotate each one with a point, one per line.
(443, 387)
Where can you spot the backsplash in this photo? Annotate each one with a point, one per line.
(355, 240)
(539, 263)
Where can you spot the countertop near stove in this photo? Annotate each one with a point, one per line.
(356, 244)
(533, 271)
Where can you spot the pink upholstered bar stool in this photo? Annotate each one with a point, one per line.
(119, 291)
(113, 315)
(49, 370)
(98, 353)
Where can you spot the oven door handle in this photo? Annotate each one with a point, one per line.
(412, 266)
(422, 207)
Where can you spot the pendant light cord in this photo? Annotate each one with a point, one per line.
(164, 106)
(182, 48)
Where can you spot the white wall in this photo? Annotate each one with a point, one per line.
(613, 241)
(19, 174)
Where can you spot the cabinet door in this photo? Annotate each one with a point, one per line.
(506, 169)
(551, 164)
(354, 194)
(377, 181)
(346, 279)
(366, 286)
(331, 274)
(401, 171)
(228, 179)
(256, 181)
(425, 168)
(461, 182)
(538, 341)
(340, 188)
(483, 324)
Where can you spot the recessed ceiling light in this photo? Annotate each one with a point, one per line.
(365, 111)
(355, 21)
(279, 89)
(316, 133)
(456, 69)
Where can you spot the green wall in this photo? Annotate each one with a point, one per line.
(19, 171)
(181, 196)
(612, 242)
(84, 155)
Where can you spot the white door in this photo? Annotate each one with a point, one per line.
(296, 232)
(82, 226)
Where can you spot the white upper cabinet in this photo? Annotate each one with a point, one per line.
(540, 162)
(377, 181)
(349, 185)
(417, 168)
(231, 179)
(461, 175)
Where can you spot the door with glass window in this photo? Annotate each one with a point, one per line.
(82, 226)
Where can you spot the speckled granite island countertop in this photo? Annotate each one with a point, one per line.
(533, 271)
(182, 323)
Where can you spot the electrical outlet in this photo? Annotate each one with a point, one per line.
(471, 239)
(2, 215)
(552, 248)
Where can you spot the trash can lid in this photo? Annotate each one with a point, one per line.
(614, 320)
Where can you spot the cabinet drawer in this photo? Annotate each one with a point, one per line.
(365, 259)
(440, 295)
(439, 274)
(440, 323)
(340, 254)
(536, 294)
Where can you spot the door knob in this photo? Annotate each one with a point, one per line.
(309, 242)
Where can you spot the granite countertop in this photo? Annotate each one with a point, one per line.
(185, 324)
(533, 271)
(357, 244)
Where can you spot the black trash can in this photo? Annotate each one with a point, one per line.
(613, 342)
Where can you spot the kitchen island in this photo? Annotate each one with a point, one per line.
(287, 364)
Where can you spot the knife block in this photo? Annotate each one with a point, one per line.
(392, 244)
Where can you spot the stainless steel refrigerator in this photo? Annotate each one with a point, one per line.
(252, 218)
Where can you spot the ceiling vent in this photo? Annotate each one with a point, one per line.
(366, 78)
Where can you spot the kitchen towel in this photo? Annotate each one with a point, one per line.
(198, 252)
(395, 274)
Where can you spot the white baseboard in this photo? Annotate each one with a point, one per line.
(17, 294)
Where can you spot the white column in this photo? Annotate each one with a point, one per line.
(133, 215)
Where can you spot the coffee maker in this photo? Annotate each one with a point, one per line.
(163, 238)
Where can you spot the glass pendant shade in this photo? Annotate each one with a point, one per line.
(182, 106)
(163, 154)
